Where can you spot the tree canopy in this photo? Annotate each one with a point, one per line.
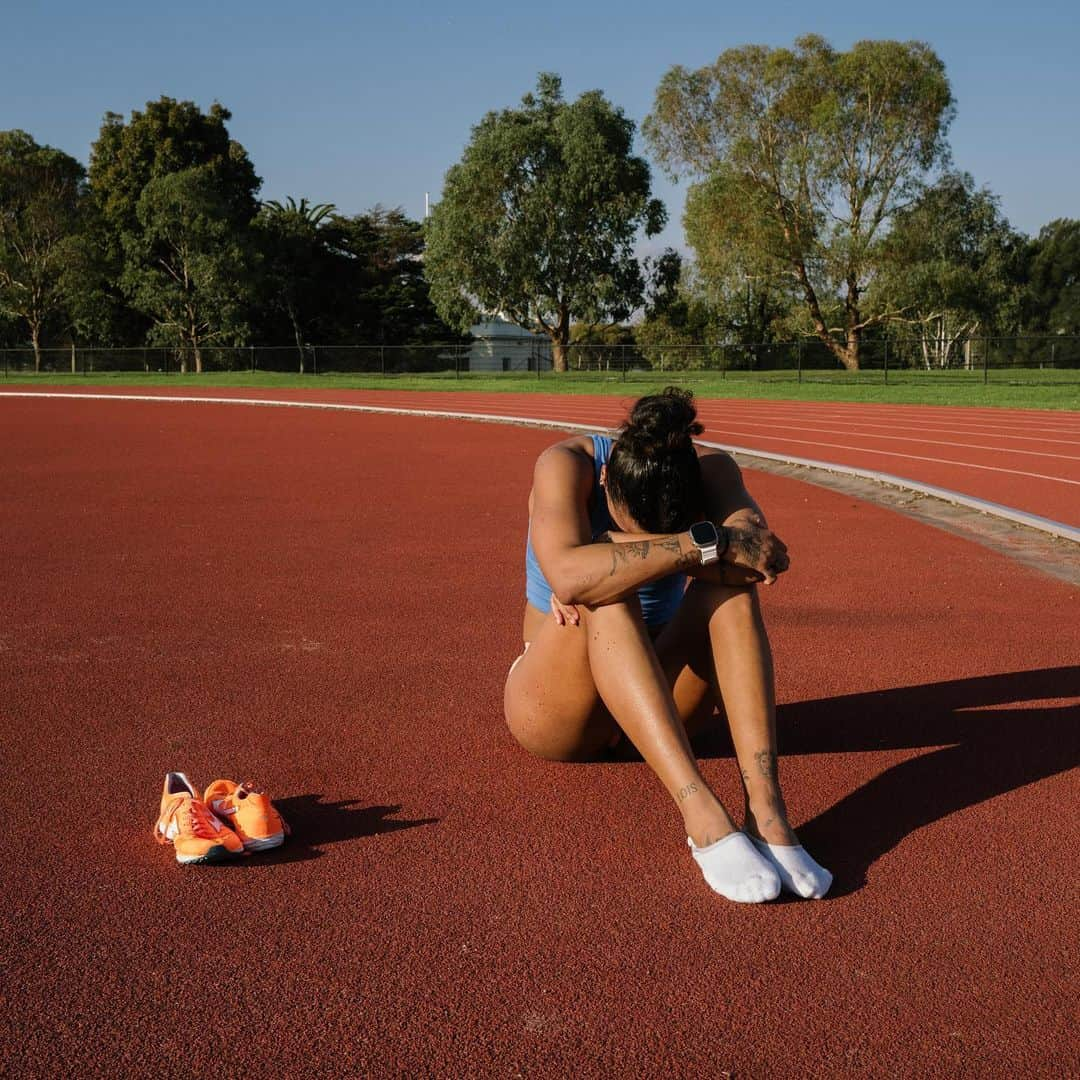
(42, 191)
(1052, 265)
(949, 263)
(807, 153)
(537, 221)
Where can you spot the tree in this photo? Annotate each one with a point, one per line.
(295, 258)
(808, 152)
(949, 261)
(749, 292)
(538, 219)
(166, 138)
(187, 267)
(41, 195)
(1051, 299)
(387, 297)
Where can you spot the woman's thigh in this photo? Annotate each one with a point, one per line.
(551, 703)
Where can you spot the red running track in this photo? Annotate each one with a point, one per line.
(329, 602)
(1027, 459)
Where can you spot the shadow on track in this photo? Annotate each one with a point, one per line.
(981, 751)
(315, 824)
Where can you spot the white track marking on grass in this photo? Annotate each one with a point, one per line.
(1055, 528)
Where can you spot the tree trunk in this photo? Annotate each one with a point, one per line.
(558, 354)
(35, 340)
(560, 340)
(298, 336)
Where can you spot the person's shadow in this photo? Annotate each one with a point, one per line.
(314, 824)
(983, 750)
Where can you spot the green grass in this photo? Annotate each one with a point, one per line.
(1012, 388)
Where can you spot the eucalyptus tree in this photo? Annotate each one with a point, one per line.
(807, 153)
(187, 268)
(167, 138)
(42, 192)
(950, 262)
(538, 219)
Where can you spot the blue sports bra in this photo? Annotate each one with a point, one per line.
(659, 599)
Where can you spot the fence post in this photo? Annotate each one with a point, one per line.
(251, 356)
(623, 351)
(798, 357)
(723, 361)
(886, 360)
(457, 362)
(986, 361)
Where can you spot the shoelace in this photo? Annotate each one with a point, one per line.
(198, 819)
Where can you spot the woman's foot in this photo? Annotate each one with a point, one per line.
(731, 864)
(767, 826)
(735, 869)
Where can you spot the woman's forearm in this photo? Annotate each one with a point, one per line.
(619, 564)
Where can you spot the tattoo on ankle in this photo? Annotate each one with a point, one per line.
(686, 792)
(767, 763)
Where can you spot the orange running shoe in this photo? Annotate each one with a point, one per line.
(249, 812)
(187, 823)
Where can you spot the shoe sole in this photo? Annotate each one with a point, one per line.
(265, 843)
(215, 854)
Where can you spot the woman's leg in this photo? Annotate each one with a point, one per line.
(562, 694)
(717, 647)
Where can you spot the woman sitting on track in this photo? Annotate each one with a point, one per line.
(618, 643)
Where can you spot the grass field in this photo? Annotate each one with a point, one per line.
(1012, 388)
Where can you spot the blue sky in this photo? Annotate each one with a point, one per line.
(366, 103)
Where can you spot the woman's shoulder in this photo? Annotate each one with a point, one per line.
(581, 447)
(572, 459)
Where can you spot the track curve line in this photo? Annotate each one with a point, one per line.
(998, 510)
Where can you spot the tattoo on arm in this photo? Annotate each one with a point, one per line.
(686, 792)
(621, 554)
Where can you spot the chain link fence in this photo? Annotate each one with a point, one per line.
(1030, 359)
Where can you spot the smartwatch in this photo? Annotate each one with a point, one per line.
(706, 539)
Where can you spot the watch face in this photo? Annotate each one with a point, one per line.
(704, 534)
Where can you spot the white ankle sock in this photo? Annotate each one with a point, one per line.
(798, 872)
(734, 869)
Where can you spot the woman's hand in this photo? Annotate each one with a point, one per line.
(725, 573)
(754, 546)
(565, 614)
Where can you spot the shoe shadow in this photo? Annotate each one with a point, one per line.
(315, 824)
(979, 748)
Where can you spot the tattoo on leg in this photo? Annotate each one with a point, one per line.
(686, 792)
(767, 764)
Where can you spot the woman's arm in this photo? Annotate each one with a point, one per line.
(579, 571)
(751, 545)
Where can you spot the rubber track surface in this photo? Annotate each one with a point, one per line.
(329, 603)
(1028, 459)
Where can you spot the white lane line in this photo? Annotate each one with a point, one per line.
(1060, 420)
(1056, 528)
(914, 457)
(858, 425)
(909, 439)
(934, 423)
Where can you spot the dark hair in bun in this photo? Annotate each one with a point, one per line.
(653, 470)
